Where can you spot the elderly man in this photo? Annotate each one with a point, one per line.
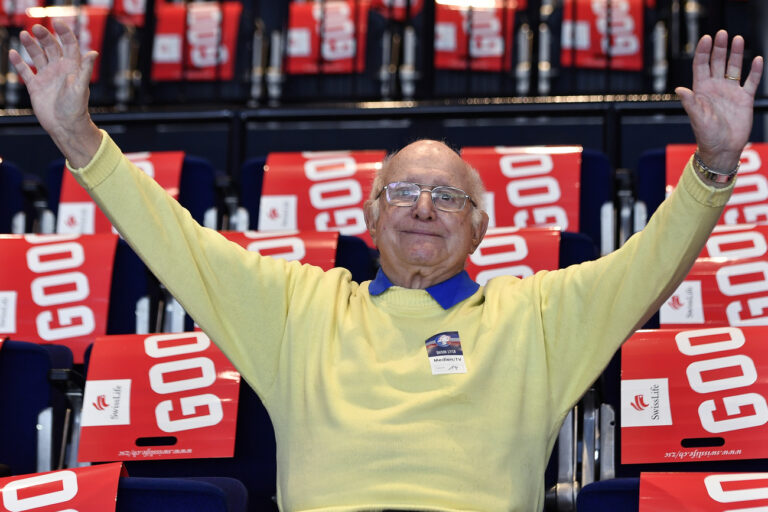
(367, 413)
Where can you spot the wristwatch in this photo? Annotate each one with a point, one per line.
(713, 175)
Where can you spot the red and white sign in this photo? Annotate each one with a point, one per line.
(703, 492)
(311, 247)
(87, 22)
(128, 12)
(79, 214)
(86, 489)
(55, 288)
(598, 34)
(749, 201)
(530, 186)
(318, 191)
(728, 284)
(694, 395)
(195, 41)
(398, 9)
(13, 12)
(479, 38)
(327, 37)
(514, 252)
(159, 396)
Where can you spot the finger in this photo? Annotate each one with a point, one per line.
(701, 59)
(736, 57)
(86, 69)
(755, 73)
(48, 43)
(719, 52)
(33, 49)
(686, 97)
(22, 68)
(70, 46)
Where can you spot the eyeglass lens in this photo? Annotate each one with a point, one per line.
(402, 193)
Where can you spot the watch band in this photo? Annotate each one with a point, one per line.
(710, 174)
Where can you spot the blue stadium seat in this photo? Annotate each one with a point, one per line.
(12, 207)
(213, 494)
(617, 494)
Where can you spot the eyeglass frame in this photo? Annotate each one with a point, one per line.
(429, 188)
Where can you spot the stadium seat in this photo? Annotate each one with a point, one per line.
(617, 494)
(12, 207)
(212, 494)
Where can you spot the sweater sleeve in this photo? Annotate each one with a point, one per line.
(589, 310)
(237, 297)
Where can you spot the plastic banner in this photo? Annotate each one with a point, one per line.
(602, 34)
(728, 284)
(311, 247)
(159, 396)
(749, 201)
(14, 13)
(477, 39)
(530, 186)
(86, 489)
(79, 214)
(327, 37)
(318, 191)
(87, 22)
(515, 252)
(703, 492)
(195, 41)
(55, 288)
(694, 395)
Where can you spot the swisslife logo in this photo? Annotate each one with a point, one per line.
(645, 403)
(278, 212)
(685, 306)
(107, 402)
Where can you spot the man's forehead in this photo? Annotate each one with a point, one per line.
(430, 158)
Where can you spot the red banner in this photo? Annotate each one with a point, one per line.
(86, 489)
(318, 191)
(195, 41)
(514, 252)
(327, 37)
(530, 186)
(55, 288)
(749, 202)
(728, 284)
(694, 395)
(703, 492)
(87, 22)
(590, 26)
(13, 13)
(159, 396)
(79, 214)
(311, 247)
(481, 35)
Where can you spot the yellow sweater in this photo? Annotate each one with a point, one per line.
(361, 422)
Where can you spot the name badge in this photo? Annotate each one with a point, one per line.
(445, 355)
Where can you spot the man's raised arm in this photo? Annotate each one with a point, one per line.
(59, 90)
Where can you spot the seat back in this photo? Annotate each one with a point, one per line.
(213, 494)
(12, 207)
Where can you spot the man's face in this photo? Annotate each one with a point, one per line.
(421, 238)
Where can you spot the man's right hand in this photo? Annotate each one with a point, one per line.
(59, 90)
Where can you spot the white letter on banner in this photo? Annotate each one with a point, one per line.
(295, 248)
(188, 406)
(341, 219)
(747, 378)
(724, 275)
(735, 340)
(517, 250)
(756, 248)
(519, 166)
(78, 279)
(550, 195)
(714, 485)
(733, 405)
(66, 316)
(13, 503)
(330, 168)
(353, 194)
(756, 305)
(74, 251)
(198, 342)
(159, 386)
(758, 190)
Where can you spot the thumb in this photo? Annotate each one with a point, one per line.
(686, 97)
(86, 68)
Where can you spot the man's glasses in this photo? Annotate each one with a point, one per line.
(447, 199)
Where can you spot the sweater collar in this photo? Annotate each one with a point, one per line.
(447, 293)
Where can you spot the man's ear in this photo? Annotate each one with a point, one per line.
(478, 230)
(370, 218)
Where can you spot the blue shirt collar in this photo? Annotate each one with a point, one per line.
(447, 293)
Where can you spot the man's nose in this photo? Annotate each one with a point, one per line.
(424, 208)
